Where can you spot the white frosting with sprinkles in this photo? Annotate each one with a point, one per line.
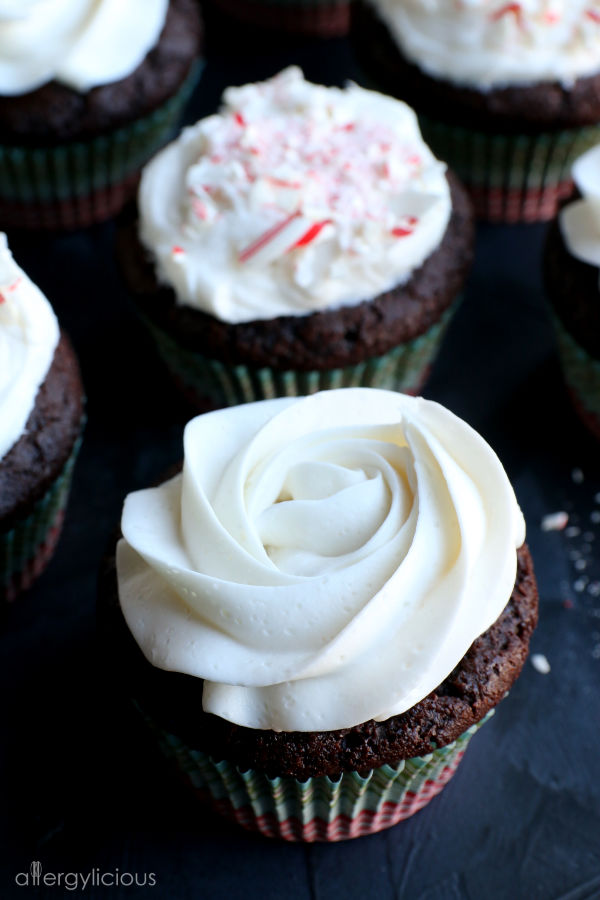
(294, 198)
(29, 334)
(491, 43)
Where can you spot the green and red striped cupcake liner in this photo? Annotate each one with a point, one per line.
(209, 382)
(511, 178)
(581, 372)
(320, 808)
(73, 185)
(27, 547)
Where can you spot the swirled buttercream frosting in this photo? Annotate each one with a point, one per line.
(28, 337)
(294, 198)
(322, 560)
(80, 43)
(580, 221)
(485, 44)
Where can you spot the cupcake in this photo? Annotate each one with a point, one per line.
(88, 92)
(507, 93)
(572, 264)
(306, 18)
(303, 238)
(41, 412)
(323, 608)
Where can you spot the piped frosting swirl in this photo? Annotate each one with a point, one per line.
(80, 43)
(322, 560)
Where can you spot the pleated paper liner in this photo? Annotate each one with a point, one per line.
(73, 185)
(511, 178)
(311, 18)
(27, 547)
(582, 376)
(320, 808)
(206, 381)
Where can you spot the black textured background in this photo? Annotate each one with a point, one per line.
(83, 789)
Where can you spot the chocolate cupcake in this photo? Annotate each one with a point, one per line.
(88, 92)
(322, 608)
(572, 268)
(507, 93)
(304, 238)
(41, 411)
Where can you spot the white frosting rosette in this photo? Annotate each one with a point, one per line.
(294, 198)
(80, 43)
(321, 560)
(485, 44)
(580, 220)
(29, 334)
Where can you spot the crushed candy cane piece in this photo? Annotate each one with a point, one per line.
(309, 236)
(540, 663)
(11, 287)
(266, 238)
(514, 8)
(555, 521)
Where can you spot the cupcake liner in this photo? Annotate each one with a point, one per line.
(26, 549)
(76, 184)
(511, 178)
(582, 375)
(314, 18)
(206, 381)
(320, 808)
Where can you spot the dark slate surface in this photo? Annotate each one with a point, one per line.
(83, 789)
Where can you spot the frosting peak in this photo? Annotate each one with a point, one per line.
(28, 337)
(580, 220)
(81, 43)
(295, 197)
(322, 560)
(490, 43)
